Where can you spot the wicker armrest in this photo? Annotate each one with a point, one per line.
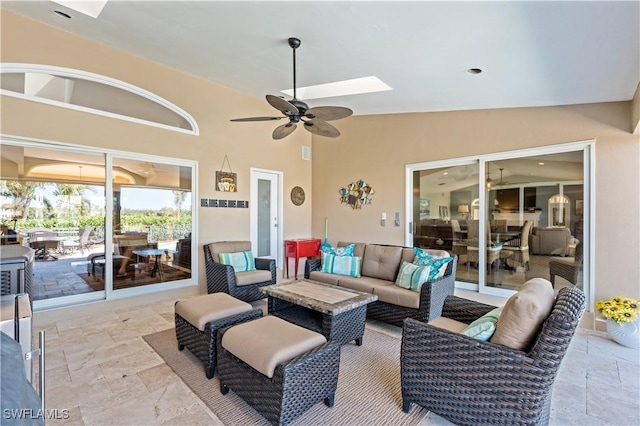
(265, 264)
(434, 293)
(434, 350)
(464, 310)
(220, 278)
(311, 264)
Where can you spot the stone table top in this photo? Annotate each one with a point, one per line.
(326, 298)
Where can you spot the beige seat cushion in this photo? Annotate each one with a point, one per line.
(200, 310)
(324, 277)
(252, 277)
(381, 262)
(448, 324)
(365, 284)
(398, 296)
(268, 341)
(524, 313)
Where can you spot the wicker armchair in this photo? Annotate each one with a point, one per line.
(243, 285)
(471, 382)
(567, 269)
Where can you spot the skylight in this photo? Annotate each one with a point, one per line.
(91, 8)
(354, 86)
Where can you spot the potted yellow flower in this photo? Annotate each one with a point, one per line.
(622, 319)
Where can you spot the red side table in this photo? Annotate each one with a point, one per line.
(298, 249)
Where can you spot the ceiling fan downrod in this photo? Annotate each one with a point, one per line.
(294, 43)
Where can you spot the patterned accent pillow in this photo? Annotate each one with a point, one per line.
(241, 261)
(412, 276)
(338, 251)
(484, 327)
(341, 265)
(438, 264)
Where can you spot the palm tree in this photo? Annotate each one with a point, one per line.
(178, 199)
(67, 191)
(21, 192)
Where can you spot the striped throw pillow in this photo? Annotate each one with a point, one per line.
(241, 261)
(484, 327)
(412, 276)
(341, 265)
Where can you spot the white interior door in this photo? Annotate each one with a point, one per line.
(265, 211)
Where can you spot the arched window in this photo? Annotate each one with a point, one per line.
(93, 93)
(559, 213)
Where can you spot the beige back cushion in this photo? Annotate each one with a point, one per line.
(407, 255)
(228, 247)
(524, 313)
(381, 261)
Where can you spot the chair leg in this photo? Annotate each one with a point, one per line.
(406, 405)
(328, 401)
(224, 389)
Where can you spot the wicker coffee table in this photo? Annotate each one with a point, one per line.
(339, 314)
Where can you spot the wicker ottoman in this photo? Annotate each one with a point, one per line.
(278, 368)
(198, 320)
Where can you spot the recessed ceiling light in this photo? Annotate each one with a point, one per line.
(61, 13)
(354, 86)
(474, 71)
(541, 164)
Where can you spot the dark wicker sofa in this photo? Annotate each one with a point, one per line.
(471, 382)
(431, 296)
(242, 285)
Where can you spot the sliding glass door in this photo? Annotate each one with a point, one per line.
(509, 217)
(54, 201)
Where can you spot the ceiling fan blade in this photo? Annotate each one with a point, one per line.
(328, 113)
(284, 130)
(282, 105)
(321, 128)
(257, 119)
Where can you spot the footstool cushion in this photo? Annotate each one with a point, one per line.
(199, 319)
(286, 341)
(200, 310)
(299, 368)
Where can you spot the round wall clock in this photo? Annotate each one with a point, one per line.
(297, 195)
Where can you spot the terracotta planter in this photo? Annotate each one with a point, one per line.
(625, 334)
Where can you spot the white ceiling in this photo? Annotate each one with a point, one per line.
(532, 53)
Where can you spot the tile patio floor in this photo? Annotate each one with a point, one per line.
(102, 371)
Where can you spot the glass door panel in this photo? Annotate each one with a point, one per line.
(534, 211)
(54, 202)
(442, 210)
(152, 222)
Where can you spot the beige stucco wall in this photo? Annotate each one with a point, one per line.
(373, 148)
(246, 144)
(377, 148)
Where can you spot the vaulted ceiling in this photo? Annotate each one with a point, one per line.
(535, 53)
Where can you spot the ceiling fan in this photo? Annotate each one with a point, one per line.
(502, 182)
(314, 119)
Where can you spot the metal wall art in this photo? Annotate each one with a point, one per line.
(356, 194)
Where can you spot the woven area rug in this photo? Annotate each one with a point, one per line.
(368, 385)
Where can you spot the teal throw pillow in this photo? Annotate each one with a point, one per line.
(341, 265)
(338, 251)
(412, 276)
(241, 261)
(484, 327)
(438, 264)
